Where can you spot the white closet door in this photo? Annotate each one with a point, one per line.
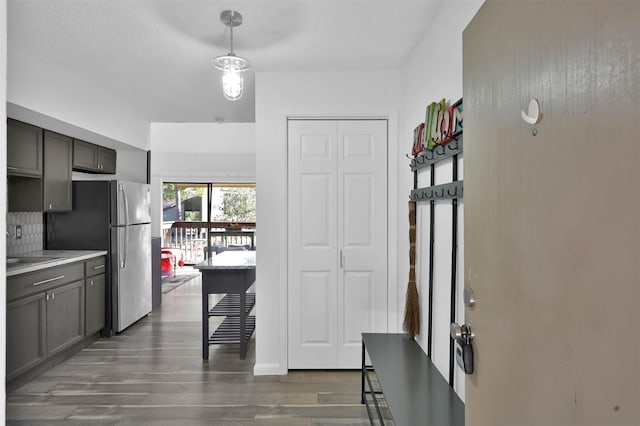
(362, 235)
(337, 239)
(312, 244)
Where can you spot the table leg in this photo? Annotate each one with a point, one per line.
(205, 320)
(243, 325)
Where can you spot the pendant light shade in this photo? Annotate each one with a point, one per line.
(231, 65)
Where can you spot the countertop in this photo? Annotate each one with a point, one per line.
(242, 259)
(62, 257)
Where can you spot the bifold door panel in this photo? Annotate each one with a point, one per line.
(337, 239)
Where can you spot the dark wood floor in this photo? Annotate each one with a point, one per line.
(153, 374)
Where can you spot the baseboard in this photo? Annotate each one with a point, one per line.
(268, 370)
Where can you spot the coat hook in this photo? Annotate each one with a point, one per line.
(455, 192)
(440, 195)
(533, 116)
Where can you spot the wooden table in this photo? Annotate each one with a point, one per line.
(230, 273)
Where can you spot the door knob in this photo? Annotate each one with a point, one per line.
(462, 332)
(463, 335)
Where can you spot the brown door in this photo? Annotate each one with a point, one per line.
(552, 213)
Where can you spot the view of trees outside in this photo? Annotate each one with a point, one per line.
(188, 202)
(172, 192)
(238, 205)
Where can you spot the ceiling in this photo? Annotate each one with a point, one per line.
(154, 55)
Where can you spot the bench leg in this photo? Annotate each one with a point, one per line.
(362, 377)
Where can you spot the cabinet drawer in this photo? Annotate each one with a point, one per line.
(40, 281)
(95, 266)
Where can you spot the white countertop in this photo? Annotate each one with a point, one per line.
(62, 257)
(241, 259)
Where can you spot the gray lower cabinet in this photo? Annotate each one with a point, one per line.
(94, 313)
(65, 316)
(26, 334)
(51, 310)
(94, 306)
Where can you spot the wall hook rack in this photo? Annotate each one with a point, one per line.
(439, 153)
(439, 192)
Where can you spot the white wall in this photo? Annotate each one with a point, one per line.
(3, 201)
(316, 94)
(72, 98)
(433, 72)
(199, 152)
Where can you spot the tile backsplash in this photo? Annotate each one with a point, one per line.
(32, 232)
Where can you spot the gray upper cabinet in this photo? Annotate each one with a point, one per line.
(38, 169)
(106, 160)
(85, 155)
(24, 149)
(91, 158)
(57, 172)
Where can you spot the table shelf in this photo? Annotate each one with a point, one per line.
(229, 305)
(228, 332)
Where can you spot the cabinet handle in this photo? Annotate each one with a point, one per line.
(50, 206)
(48, 281)
(91, 282)
(99, 267)
(12, 168)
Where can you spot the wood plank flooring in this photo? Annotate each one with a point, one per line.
(153, 374)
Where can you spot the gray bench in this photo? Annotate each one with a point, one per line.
(402, 387)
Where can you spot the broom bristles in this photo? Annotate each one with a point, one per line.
(412, 311)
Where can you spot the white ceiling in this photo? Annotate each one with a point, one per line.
(154, 55)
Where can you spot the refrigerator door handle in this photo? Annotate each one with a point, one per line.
(125, 206)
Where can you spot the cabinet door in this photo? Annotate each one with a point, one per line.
(106, 160)
(57, 172)
(85, 155)
(25, 334)
(65, 316)
(24, 149)
(94, 304)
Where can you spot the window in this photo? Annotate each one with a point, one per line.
(187, 226)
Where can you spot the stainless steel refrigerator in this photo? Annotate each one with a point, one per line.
(113, 216)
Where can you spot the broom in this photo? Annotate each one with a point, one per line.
(411, 322)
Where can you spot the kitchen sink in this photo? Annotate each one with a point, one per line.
(17, 260)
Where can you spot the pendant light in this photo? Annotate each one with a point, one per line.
(231, 65)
